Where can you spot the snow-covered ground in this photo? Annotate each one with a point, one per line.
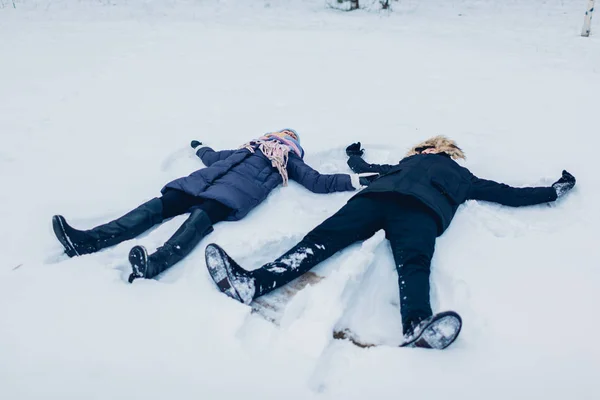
(99, 100)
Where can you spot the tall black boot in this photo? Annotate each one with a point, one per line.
(174, 250)
(127, 227)
(244, 286)
(294, 263)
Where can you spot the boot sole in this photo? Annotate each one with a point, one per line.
(138, 258)
(217, 262)
(439, 333)
(58, 226)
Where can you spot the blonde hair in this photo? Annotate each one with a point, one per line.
(442, 144)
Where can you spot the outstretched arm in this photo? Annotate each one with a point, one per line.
(483, 189)
(316, 182)
(208, 155)
(358, 165)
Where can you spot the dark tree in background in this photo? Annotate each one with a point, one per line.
(350, 5)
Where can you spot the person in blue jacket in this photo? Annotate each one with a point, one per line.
(234, 182)
(413, 201)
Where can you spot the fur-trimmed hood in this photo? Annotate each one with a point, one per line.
(442, 144)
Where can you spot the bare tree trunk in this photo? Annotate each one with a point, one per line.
(353, 4)
(385, 4)
(587, 23)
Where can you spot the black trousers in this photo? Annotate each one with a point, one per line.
(410, 226)
(176, 202)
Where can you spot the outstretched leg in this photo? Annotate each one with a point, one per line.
(127, 227)
(359, 219)
(412, 230)
(204, 213)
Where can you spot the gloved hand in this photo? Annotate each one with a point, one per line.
(360, 181)
(564, 184)
(195, 144)
(367, 178)
(355, 150)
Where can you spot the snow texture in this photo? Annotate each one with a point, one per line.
(101, 98)
(293, 260)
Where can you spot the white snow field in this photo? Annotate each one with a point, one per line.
(99, 100)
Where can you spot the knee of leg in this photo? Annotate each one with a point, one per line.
(415, 261)
(313, 239)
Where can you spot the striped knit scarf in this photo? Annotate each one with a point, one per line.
(275, 151)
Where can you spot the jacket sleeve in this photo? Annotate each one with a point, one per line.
(316, 182)
(209, 156)
(483, 189)
(358, 165)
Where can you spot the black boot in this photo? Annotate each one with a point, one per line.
(174, 250)
(230, 278)
(127, 227)
(294, 263)
(409, 325)
(437, 331)
(244, 286)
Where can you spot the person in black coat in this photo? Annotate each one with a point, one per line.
(232, 184)
(413, 201)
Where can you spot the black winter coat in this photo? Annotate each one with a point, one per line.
(441, 184)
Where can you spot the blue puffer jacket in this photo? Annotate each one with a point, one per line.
(241, 179)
